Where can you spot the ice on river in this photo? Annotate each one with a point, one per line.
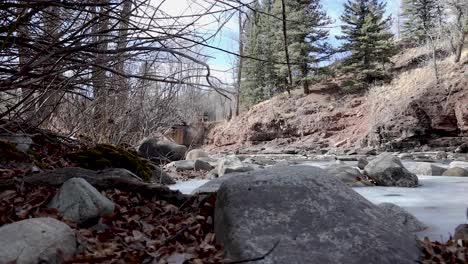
(440, 202)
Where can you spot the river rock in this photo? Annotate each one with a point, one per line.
(304, 215)
(36, 240)
(425, 168)
(195, 154)
(459, 164)
(202, 165)
(403, 217)
(162, 177)
(463, 148)
(80, 202)
(387, 170)
(212, 161)
(461, 232)
(362, 162)
(456, 172)
(181, 165)
(346, 174)
(231, 164)
(162, 150)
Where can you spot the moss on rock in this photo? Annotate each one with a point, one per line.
(105, 156)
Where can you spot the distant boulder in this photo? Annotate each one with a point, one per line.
(195, 154)
(387, 170)
(362, 162)
(456, 172)
(459, 164)
(347, 174)
(231, 164)
(162, 150)
(425, 168)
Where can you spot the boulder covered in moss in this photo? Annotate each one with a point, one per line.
(105, 156)
(162, 150)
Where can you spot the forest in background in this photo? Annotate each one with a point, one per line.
(117, 71)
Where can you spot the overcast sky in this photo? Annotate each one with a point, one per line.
(221, 62)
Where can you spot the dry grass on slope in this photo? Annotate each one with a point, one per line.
(390, 100)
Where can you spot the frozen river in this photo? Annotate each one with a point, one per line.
(440, 202)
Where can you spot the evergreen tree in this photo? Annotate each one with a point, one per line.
(264, 40)
(419, 17)
(368, 40)
(254, 71)
(306, 35)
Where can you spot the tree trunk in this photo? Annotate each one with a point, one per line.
(99, 79)
(241, 62)
(122, 86)
(285, 36)
(50, 96)
(27, 94)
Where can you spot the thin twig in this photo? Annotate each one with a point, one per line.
(254, 259)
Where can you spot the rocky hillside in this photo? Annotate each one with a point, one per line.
(411, 112)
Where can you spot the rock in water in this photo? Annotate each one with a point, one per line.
(459, 164)
(387, 170)
(362, 162)
(181, 165)
(313, 217)
(346, 174)
(162, 149)
(456, 172)
(202, 165)
(425, 168)
(461, 232)
(36, 240)
(401, 216)
(80, 202)
(231, 164)
(195, 154)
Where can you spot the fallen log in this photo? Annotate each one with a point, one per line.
(119, 179)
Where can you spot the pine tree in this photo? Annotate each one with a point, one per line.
(264, 40)
(253, 82)
(306, 24)
(368, 40)
(420, 16)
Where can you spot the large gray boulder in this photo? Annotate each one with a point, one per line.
(195, 154)
(387, 170)
(311, 216)
(424, 168)
(80, 202)
(162, 150)
(231, 164)
(403, 217)
(36, 240)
